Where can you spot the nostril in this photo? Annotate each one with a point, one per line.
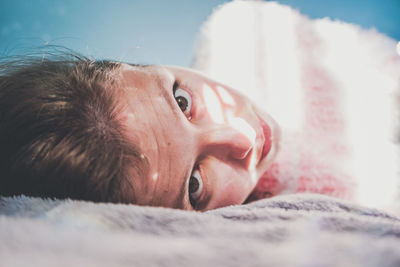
(233, 140)
(227, 143)
(240, 151)
(242, 158)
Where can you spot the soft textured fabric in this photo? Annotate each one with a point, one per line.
(332, 87)
(289, 230)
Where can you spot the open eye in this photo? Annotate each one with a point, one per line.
(195, 187)
(183, 99)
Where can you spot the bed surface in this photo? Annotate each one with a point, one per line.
(289, 230)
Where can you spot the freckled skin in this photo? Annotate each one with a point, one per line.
(176, 143)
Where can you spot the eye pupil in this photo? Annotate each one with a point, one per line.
(182, 102)
(193, 185)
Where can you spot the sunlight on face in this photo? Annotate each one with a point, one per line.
(220, 106)
(221, 113)
(243, 127)
(213, 105)
(225, 96)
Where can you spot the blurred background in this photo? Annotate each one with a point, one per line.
(152, 31)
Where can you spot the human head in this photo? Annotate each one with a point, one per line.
(106, 131)
(59, 131)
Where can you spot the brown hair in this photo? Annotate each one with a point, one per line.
(59, 130)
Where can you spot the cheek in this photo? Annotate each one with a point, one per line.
(229, 185)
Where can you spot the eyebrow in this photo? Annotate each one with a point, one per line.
(179, 200)
(167, 95)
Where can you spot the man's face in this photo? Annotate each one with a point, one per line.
(206, 145)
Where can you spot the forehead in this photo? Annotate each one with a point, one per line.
(147, 95)
(144, 77)
(153, 124)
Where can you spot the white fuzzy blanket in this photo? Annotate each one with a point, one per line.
(290, 230)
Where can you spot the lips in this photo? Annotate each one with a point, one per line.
(266, 148)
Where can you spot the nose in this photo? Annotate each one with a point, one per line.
(230, 141)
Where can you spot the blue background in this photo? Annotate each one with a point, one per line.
(152, 31)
